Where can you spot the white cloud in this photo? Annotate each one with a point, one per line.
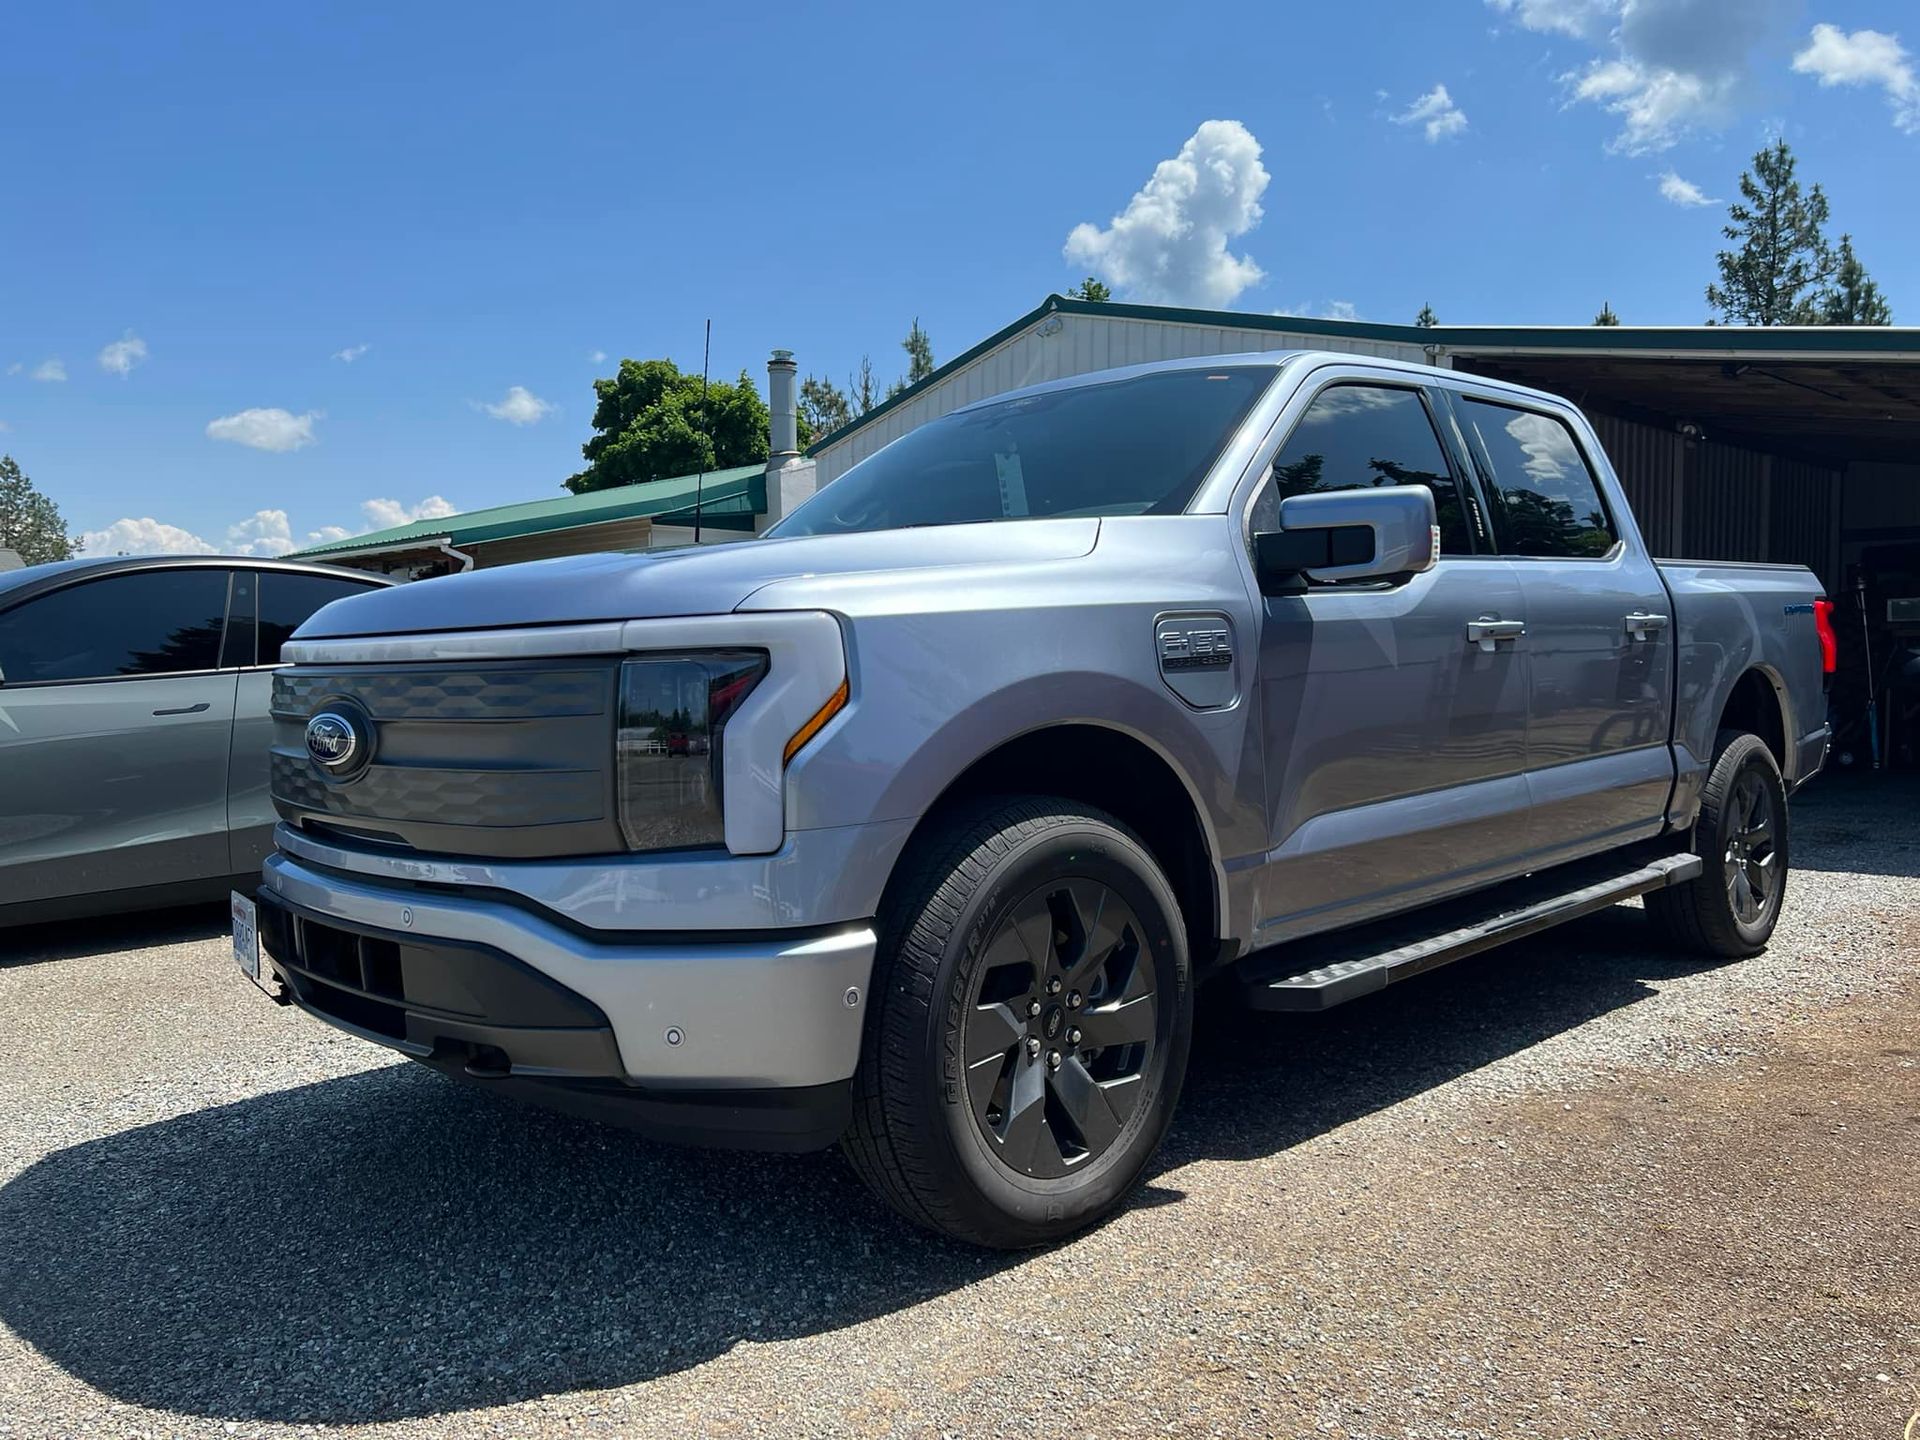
(1437, 112)
(145, 536)
(50, 370)
(351, 353)
(598, 357)
(1674, 66)
(519, 406)
(1341, 310)
(1581, 19)
(385, 514)
(265, 532)
(1170, 244)
(270, 429)
(118, 357)
(1865, 57)
(329, 534)
(1683, 192)
(15, 368)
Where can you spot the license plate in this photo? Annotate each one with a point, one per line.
(246, 940)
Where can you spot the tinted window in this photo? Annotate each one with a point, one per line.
(155, 623)
(1549, 503)
(287, 600)
(1357, 436)
(1126, 447)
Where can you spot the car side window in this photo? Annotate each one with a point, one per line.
(286, 600)
(154, 622)
(1548, 500)
(1355, 436)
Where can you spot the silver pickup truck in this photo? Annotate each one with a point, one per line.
(914, 825)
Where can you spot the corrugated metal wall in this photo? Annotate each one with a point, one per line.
(1647, 460)
(1725, 505)
(1081, 344)
(1802, 526)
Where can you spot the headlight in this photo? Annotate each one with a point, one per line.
(673, 715)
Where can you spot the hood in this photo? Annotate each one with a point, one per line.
(706, 581)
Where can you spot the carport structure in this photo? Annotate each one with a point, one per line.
(1792, 444)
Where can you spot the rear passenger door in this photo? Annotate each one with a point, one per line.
(1395, 740)
(268, 606)
(1599, 640)
(115, 719)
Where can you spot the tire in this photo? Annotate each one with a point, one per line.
(1741, 835)
(984, 1109)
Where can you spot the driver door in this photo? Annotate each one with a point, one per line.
(1395, 744)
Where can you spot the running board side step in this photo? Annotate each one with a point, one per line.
(1328, 970)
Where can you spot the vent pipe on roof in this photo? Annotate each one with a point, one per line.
(783, 379)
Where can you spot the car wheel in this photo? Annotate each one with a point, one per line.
(1030, 1024)
(1741, 836)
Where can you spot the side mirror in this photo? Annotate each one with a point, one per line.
(1348, 535)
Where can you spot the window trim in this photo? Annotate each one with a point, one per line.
(1304, 400)
(372, 583)
(219, 650)
(1483, 463)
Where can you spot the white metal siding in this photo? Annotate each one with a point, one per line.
(1082, 344)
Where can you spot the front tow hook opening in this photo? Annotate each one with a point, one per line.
(488, 1062)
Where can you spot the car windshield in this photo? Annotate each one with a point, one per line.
(1139, 446)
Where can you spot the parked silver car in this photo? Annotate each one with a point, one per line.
(134, 727)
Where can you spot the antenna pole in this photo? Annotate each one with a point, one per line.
(706, 413)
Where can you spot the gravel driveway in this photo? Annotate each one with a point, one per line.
(1577, 1187)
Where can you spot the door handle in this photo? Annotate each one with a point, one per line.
(1487, 632)
(184, 709)
(1642, 626)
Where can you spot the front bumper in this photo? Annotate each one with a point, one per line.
(673, 1034)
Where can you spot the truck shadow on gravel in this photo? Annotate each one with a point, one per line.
(389, 1244)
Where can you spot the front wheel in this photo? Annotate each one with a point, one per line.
(1741, 839)
(1031, 1022)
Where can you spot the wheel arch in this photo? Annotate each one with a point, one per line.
(1077, 760)
(1757, 703)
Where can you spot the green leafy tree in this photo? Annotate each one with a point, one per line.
(823, 406)
(863, 389)
(30, 523)
(919, 353)
(1781, 263)
(1606, 315)
(1090, 289)
(652, 421)
(1426, 319)
(1853, 298)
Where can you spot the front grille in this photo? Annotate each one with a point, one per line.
(511, 759)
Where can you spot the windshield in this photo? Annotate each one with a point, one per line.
(1126, 447)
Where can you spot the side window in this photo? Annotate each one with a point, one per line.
(287, 600)
(155, 622)
(1548, 499)
(1355, 436)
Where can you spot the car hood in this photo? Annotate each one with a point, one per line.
(704, 581)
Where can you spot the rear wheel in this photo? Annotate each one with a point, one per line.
(1741, 838)
(1030, 1027)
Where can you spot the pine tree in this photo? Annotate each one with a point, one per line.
(919, 353)
(1426, 319)
(863, 390)
(30, 523)
(1606, 315)
(1090, 289)
(1783, 263)
(1853, 298)
(823, 405)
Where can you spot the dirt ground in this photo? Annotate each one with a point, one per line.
(1580, 1187)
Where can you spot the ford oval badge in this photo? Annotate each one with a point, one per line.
(331, 740)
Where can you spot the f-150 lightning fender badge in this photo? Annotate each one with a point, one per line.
(1196, 654)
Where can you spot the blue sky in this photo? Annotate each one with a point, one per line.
(207, 209)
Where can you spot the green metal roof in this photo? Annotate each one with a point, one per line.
(725, 497)
(1779, 342)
